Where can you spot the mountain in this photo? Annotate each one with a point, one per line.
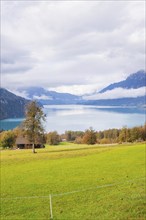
(134, 81)
(50, 97)
(11, 106)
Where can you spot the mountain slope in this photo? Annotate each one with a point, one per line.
(131, 93)
(135, 80)
(49, 97)
(11, 106)
(138, 101)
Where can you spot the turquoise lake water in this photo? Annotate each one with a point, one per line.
(81, 117)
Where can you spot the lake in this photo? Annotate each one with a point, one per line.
(81, 117)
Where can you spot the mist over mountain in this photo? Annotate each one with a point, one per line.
(13, 105)
(133, 81)
(129, 92)
(49, 97)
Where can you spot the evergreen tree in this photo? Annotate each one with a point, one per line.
(32, 125)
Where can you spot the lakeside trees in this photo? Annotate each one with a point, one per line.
(107, 136)
(72, 135)
(135, 134)
(53, 138)
(89, 137)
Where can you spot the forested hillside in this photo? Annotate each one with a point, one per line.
(11, 106)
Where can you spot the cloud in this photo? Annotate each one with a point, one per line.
(14, 59)
(21, 94)
(117, 93)
(42, 97)
(76, 89)
(62, 44)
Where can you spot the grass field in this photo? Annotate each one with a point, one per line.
(27, 177)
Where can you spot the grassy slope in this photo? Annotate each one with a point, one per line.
(74, 167)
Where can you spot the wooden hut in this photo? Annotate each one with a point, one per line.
(23, 143)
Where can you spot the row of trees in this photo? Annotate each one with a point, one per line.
(107, 136)
(136, 134)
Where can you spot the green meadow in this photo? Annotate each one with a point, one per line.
(86, 182)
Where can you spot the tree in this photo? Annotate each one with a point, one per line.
(124, 135)
(53, 138)
(7, 139)
(135, 134)
(72, 135)
(143, 132)
(89, 137)
(32, 125)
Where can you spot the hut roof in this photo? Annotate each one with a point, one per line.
(22, 140)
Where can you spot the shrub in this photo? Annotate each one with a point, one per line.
(105, 141)
(78, 140)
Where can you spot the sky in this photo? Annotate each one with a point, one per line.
(71, 46)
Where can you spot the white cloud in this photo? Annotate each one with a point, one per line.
(77, 89)
(118, 93)
(22, 94)
(43, 97)
(67, 43)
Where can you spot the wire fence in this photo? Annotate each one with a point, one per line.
(75, 191)
(51, 196)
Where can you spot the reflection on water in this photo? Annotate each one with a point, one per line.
(81, 117)
(80, 109)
